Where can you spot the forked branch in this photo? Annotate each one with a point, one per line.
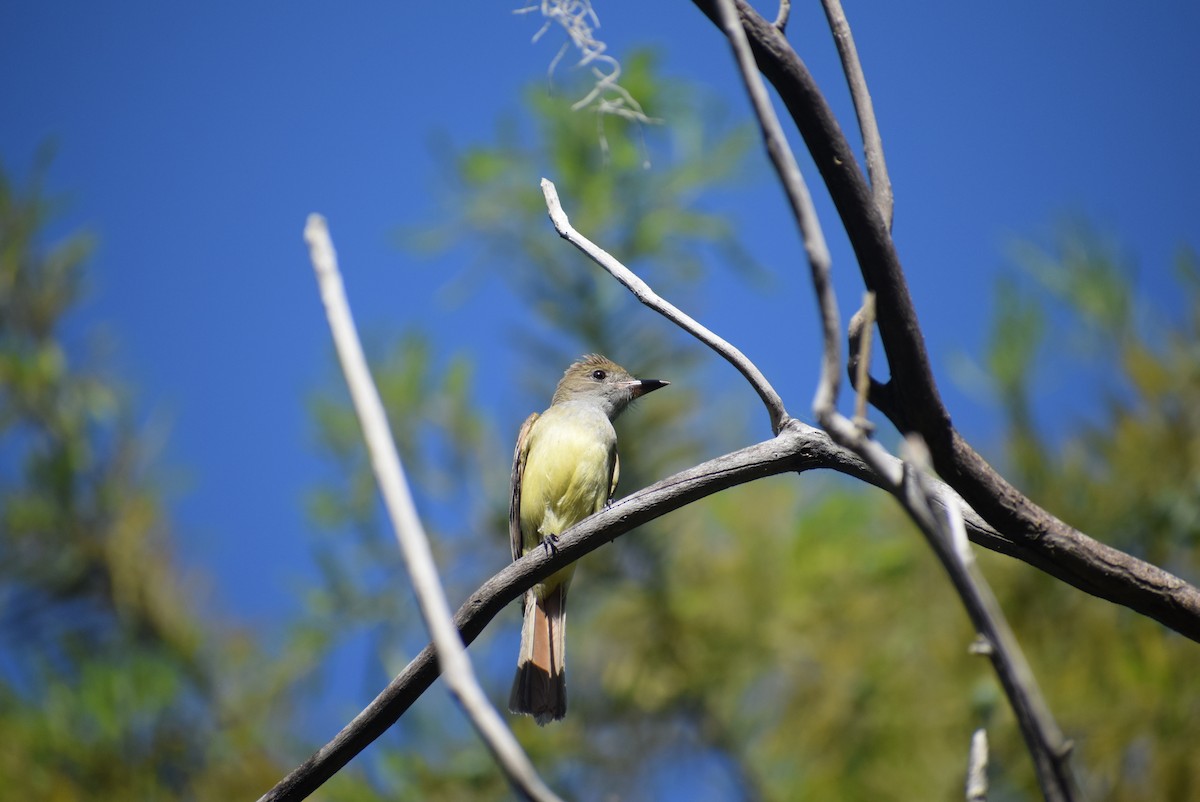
(797, 449)
(910, 397)
(1042, 735)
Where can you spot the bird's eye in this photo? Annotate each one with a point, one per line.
(599, 375)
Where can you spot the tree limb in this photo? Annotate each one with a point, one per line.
(798, 448)
(1042, 736)
(414, 544)
(641, 290)
(875, 253)
(910, 398)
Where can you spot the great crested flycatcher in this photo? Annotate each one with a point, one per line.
(564, 469)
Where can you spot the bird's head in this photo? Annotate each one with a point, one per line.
(596, 378)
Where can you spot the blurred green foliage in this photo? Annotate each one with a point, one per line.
(1129, 475)
(112, 686)
(793, 638)
(493, 205)
(790, 639)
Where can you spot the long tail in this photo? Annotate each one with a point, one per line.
(540, 687)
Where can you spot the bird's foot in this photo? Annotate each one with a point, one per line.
(550, 543)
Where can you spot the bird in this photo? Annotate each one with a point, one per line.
(565, 468)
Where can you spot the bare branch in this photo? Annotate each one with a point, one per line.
(781, 18)
(861, 326)
(798, 448)
(641, 290)
(414, 544)
(948, 538)
(910, 398)
(1042, 736)
(881, 184)
(798, 197)
(900, 332)
(858, 366)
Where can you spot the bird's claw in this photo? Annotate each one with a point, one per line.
(550, 543)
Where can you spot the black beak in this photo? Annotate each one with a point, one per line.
(642, 386)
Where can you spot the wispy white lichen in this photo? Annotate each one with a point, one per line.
(578, 20)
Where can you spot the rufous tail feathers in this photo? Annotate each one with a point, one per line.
(540, 687)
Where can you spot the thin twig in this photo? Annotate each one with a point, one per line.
(881, 184)
(911, 399)
(785, 12)
(414, 545)
(977, 764)
(641, 290)
(948, 537)
(798, 196)
(861, 326)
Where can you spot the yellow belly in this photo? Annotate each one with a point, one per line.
(567, 476)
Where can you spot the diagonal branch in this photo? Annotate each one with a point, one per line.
(947, 535)
(798, 197)
(1041, 734)
(900, 332)
(881, 184)
(414, 544)
(797, 449)
(910, 398)
(641, 290)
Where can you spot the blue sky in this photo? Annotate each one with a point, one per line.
(194, 139)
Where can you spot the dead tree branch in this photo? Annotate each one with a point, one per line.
(1042, 736)
(414, 544)
(881, 184)
(641, 290)
(910, 397)
(797, 449)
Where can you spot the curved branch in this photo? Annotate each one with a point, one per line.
(945, 534)
(799, 198)
(414, 543)
(899, 330)
(798, 448)
(781, 18)
(912, 401)
(641, 290)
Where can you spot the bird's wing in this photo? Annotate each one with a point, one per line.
(616, 475)
(518, 469)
